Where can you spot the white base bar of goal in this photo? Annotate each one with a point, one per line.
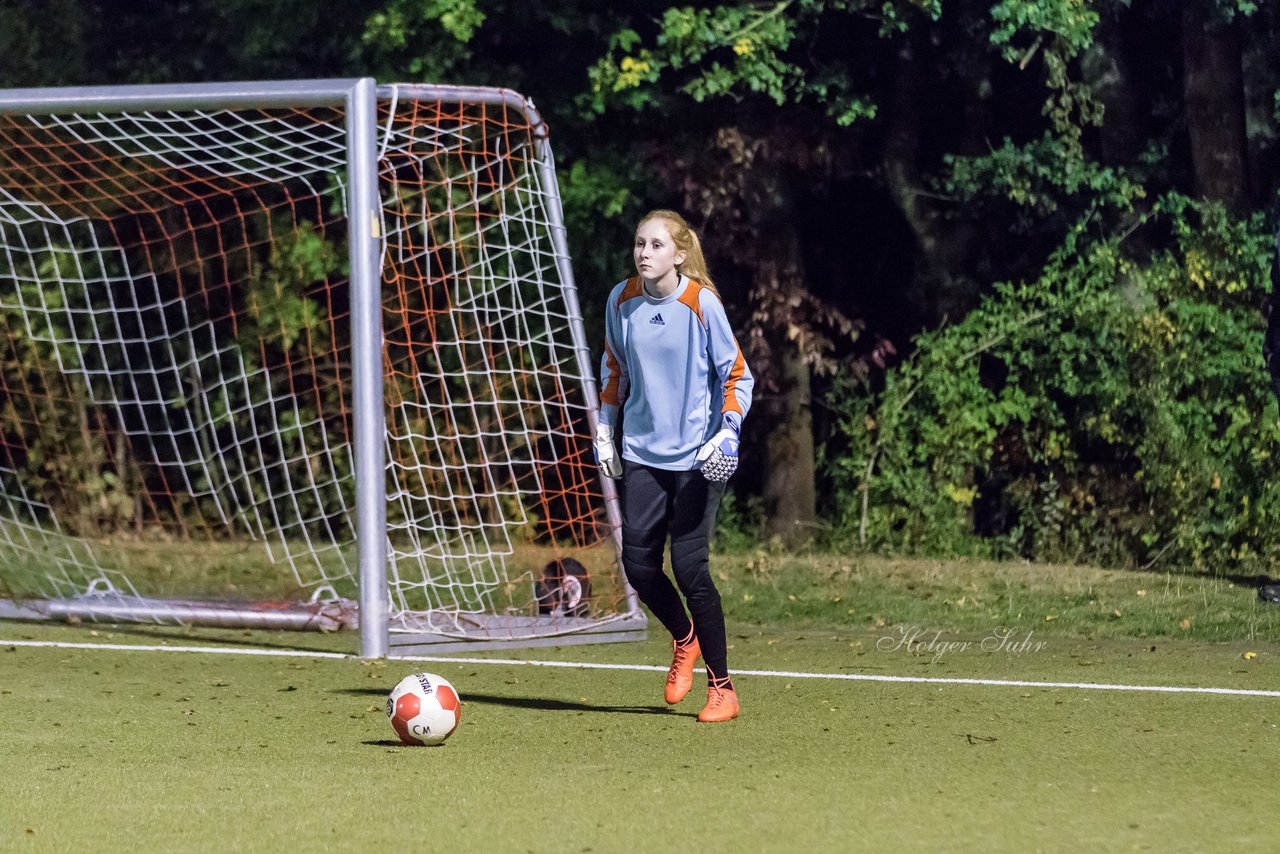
(429, 633)
(327, 616)
(486, 631)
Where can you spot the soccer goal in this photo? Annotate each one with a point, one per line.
(303, 355)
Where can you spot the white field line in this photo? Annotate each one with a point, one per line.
(585, 665)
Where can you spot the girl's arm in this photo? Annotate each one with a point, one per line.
(614, 379)
(726, 357)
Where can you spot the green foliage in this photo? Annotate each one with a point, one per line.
(68, 341)
(601, 205)
(1060, 30)
(1071, 21)
(735, 50)
(427, 39)
(1115, 411)
(76, 460)
(1042, 176)
(1230, 9)
(276, 295)
(596, 187)
(284, 350)
(395, 24)
(892, 17)
(739, 522)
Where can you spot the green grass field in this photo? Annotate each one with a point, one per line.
(114, 750)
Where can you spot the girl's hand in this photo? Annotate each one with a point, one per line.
(719, 457)
(607, 452)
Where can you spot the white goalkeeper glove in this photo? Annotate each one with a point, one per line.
(719, 457)
(607, 452)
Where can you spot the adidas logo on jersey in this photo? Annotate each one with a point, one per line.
(657, 320)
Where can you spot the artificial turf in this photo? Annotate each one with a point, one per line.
(110, 750)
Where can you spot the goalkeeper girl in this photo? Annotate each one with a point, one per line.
(674, 389)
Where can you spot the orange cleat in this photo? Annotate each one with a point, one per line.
(680, 676)
(722, 705)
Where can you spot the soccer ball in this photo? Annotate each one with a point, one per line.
(424, 709)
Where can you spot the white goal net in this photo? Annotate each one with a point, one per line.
(179, 411)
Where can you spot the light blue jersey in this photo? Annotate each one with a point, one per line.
(674, 368)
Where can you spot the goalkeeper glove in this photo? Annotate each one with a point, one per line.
(719, 457)
(607, 452)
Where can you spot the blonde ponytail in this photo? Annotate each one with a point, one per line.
(686, 240)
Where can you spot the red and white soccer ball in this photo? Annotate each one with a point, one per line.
(424, 708)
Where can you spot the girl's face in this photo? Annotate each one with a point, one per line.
(655, 252)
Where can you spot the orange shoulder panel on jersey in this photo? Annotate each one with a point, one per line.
(730, 387)
(691, 296)
(633, 288)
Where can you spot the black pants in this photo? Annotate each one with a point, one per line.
(681, 504)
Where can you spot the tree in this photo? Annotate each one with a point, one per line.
(1214, 85)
